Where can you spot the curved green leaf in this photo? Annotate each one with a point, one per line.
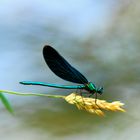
(6, 103)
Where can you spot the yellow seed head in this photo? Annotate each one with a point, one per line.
(92, 105)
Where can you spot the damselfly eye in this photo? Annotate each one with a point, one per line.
(100, 90)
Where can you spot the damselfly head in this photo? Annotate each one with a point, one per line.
(100, 90)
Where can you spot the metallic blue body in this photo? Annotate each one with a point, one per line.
(53, 85)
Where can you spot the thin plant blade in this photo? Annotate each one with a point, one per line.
(6, 103)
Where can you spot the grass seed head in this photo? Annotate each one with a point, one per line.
(94, 106)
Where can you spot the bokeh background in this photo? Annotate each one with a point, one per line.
(101, 38)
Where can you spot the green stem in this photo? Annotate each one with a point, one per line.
(31, 94)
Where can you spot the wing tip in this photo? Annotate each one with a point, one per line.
(46, 47)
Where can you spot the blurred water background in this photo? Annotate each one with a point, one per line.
(99, 38)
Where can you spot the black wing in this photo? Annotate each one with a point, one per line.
(61, 67)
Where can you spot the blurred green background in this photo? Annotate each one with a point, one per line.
(99, 38)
